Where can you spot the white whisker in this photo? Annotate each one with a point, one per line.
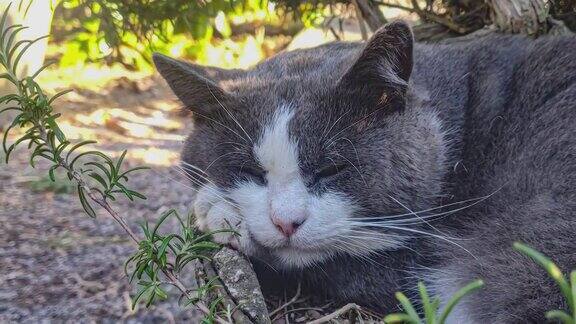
(387, 217)
(353, 124)
(221, 124)
(420, 218)
(211, 191)
(354, 166)
(221, 156)
(230, 114)
(411, 230)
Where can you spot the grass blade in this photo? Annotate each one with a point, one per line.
(549, 266)
(399, 318)
(475, 285)
(429, 312)
(408, 308)
(559, 315)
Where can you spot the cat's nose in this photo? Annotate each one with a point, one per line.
(287, 227)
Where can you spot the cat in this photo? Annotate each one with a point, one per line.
(361, 168)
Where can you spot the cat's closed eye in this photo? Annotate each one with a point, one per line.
(252, 173)
(328, 172)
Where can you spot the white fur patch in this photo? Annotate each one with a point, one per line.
(214, 212)
(277, 153)
(444, 285)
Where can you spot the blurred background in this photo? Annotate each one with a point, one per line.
(57, 264)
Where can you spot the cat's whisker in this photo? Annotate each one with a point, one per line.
(221, 156)
(189, 171)
(230, 114)
(370, 232)
(388, 217)
(211, 191)
(354, 166)
(349, 248)
(359, 252)
(364, 241)
(223, 125)
(382, 237)
(416, 231)
(417, 216)
(215, 193)
(194, 173)
(326, 133)
(232, 143)
(351, 144)
(193, 167)
(354, 124)
(227, 213)
(401, 228)
(333, 162)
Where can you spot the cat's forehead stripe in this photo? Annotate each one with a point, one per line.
(276, 150)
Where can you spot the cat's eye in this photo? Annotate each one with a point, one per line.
(328, 171)
(252, 173)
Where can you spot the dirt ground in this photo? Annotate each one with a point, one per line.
(56, 263)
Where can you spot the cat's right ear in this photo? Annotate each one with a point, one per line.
(382, 70)
(196, 86)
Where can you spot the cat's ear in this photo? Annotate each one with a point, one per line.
(382, 70)
(196, 86)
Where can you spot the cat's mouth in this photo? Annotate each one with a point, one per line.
(289, 246)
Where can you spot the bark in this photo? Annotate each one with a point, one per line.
(239, 288)
(371, 14)
(520, 16)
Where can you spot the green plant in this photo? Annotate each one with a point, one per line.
(99, 180)
(154, 255)
(567, 286)
(128, 32)
(430, 306)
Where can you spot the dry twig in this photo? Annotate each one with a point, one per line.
(339, 312)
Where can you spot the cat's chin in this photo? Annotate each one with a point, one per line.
(293, 257)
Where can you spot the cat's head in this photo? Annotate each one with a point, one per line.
(314, 148)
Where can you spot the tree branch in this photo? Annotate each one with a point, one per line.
(428, 15)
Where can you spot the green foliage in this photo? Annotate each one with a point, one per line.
(429, 305)
(159, 251)
(129, 31)
(567, 286)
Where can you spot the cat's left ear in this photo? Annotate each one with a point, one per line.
(382, 70)
(197, 87)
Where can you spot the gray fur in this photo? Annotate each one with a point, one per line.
(496, 116)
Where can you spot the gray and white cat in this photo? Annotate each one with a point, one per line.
(363, 168)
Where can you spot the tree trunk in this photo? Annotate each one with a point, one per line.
(520, 16)
(371, 14)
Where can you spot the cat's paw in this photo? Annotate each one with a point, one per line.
(213, 212)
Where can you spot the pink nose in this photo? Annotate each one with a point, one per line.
(288, 228)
